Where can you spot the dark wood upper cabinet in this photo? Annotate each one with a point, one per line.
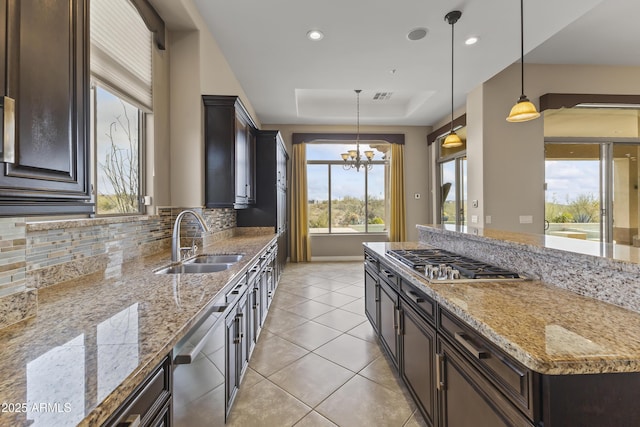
(45, 49)
(229, 146)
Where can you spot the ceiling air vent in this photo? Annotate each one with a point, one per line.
(382, 96)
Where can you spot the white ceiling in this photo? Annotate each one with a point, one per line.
(292, 80)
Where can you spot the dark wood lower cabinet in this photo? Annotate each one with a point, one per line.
(231, 360)
(467, 398)
(371, 297)
(388, 320)
(459, 378)
(417, 367)
(150, 404)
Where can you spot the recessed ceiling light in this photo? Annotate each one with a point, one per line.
(315, 35)
(417, 34)
(471, 40)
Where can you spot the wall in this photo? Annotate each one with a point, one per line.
(417, 180)
(197, 67)
(507, 169)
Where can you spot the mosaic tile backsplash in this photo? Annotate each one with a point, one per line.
(39, 254)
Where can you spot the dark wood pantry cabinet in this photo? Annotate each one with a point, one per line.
(230, 157)
(270, 207)
(45, 110)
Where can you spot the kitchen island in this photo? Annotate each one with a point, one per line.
(539, 353)
(95, 339)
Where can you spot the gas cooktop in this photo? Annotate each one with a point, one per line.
(442, 265)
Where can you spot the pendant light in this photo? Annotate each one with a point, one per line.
(353, 159)
(452, 140)
(524, 110)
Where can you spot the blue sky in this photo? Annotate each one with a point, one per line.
(568, 179)
(109, 108)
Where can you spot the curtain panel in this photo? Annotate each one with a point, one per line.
(397, 217)
(300, 244)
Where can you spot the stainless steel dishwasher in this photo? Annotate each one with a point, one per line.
(200, 366)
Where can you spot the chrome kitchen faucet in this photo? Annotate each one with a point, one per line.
(176, 249)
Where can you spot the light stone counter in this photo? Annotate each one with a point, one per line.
(607, 272)
(96, 338)
(548, 329)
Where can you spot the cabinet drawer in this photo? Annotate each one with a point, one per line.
(423, 304)
(148, 399)
(371, 262)
(509, 376)
(389, 275)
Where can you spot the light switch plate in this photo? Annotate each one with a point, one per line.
(526, 219)
(474, 219)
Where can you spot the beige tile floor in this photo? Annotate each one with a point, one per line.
(318, 362)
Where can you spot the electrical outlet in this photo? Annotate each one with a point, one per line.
(474, 219)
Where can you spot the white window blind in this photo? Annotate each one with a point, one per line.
(121, 50)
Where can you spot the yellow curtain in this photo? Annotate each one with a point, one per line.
(397, 220)
(300, 244)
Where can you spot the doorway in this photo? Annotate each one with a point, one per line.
(591, 191)
(453, 190)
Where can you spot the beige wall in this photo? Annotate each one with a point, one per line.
(158, 129)
(197, 67)
(417, 180)
(506, 170)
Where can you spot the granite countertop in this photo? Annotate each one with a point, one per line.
(96, 338)
(548, 329)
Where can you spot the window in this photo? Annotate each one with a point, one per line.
(121, 71)
(346, 201)
(118, 126)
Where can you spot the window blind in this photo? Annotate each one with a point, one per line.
(121, 50)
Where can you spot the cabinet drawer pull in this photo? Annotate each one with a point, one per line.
(476, 352)
(414, 296)
(9, 130)
(388, 274)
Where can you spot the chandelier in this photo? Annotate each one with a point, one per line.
(352, 158)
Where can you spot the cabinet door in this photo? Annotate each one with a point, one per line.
(254, 290)
(388, 320)
(244, 336)
(250, 171)
(467, 398)
(47, 76)
(371, 297)
(231, 359)
(241, 162)
(264, 295)
(418, 354)
(219, 146)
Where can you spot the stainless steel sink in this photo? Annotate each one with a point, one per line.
(214, 259)
(194, 268)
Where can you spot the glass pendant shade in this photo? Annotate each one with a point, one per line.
(452, 140)
(523, 111)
